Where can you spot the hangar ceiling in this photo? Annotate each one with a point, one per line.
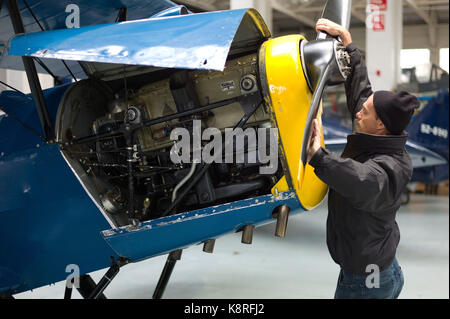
(300, 15)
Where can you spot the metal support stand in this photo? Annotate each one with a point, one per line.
(87, 286)
(107, 278)
(166, 273)
(104, 282)
(68, 291)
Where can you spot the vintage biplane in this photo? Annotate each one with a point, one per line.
(85, 171)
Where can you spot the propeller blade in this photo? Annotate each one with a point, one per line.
(327, 63)
(338, 11)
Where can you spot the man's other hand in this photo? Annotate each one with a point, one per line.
(334, 29)
(314, 140)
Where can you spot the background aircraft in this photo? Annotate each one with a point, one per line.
(429, 128)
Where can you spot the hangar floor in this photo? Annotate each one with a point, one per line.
(295, 267)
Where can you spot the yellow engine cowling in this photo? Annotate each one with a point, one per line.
(288, 97)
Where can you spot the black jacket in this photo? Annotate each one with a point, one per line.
(365, 186)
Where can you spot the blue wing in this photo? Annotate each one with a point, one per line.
(52, 15)
(193, 41)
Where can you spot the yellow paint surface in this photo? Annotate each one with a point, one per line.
(289, 98)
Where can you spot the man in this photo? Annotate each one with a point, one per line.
(365, 182)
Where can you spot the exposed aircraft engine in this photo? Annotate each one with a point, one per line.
(134, 176)
(148, 142)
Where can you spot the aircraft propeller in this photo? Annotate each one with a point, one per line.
(326, 62)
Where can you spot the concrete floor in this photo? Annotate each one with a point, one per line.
(297, 266)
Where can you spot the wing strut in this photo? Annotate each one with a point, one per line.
(33, 79)
(57, 80)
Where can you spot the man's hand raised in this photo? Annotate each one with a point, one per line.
(334, 29)
(314, 140)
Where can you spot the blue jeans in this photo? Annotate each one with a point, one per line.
(387, 285)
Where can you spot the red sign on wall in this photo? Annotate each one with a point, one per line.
(378, 22)
(378, 5)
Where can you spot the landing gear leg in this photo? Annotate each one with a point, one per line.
(87, 286)
(108, 277)
(166, 273)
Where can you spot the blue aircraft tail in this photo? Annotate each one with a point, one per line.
(430, 128)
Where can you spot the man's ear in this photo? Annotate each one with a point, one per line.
(380, 124)
(381, 127)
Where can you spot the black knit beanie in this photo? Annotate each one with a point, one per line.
(395, 109)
